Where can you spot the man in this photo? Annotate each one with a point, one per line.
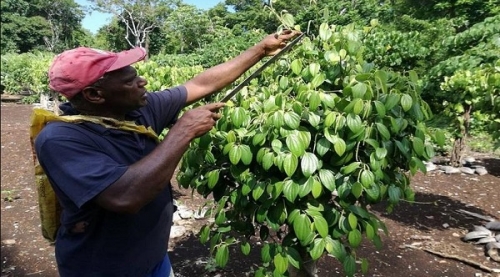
(114, 184)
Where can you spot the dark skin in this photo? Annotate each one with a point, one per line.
(122, 91)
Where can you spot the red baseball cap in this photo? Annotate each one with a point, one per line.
(73, 70)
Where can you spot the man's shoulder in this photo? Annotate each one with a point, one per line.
(68, 130)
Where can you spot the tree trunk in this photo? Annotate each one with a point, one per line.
(460, 142)
(309, 268)
(55, 99)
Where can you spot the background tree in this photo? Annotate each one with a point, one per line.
(39, 25)
(140, 17)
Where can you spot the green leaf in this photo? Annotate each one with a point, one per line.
(302, 227)
(349, 265)
(358, 106)
(235, 154)
(265, 253)
(314, 99)
(357, 189)
(380, 108)
(317, 189)
(222, 256)
(353, 221)
(247, 187)
(205, 141)
(440, 138)
(258, 190)
(296, 66)
(277, 146)
(318, 249)
(322, 146)
(394, 194)
(418, 146)
(327, 179)
(220, 218)
(245, 248)
(336, 248)
(321, 225)
(418, 165)
(204, 233)
(318, 81)
(324, 31)
(340, 147)
(231, 136)
(370, 231)
(391, 101)
(350, 168)
(413, 76)
(359, 90)
(293, 257)
(306, 187)
(288, 21)
(354, 238)
(314, 68)
(267, 160)
(238, 116)
(212, 178)
(292, 120)
(309, 164)
(383, 131)
(406, 102)
(373, 192)
(290, 164)
(283, 82)
(294, 143)
(280, 263)
(367, 178)
(259, 139)
(290, 190)
(354, 123)
(364, 265)
(330, 119)
(278, 119)
(381, 153)
(246, 154)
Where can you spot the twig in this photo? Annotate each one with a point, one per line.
(454, 257)
(37, 272)
(483, 217)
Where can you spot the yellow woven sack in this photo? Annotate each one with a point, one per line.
(49, 206)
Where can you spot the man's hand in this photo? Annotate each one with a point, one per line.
(273, 43)
(200, 120)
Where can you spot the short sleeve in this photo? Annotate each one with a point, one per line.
(164, 107)
(75, 165)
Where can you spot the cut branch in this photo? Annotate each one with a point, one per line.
(454, 257)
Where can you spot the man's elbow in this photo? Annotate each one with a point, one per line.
(119, 206)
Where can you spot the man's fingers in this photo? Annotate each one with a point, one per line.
(216, 116)
(214, 107)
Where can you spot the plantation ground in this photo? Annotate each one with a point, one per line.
(433, 223)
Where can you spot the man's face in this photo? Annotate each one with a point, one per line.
(123, 90)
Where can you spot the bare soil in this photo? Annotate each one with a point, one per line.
(432, 223)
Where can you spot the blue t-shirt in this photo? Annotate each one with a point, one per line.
(81, 160)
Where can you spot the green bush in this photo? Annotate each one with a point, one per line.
(299, 154)
(25, 73)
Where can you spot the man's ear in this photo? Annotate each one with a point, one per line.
(93, 95)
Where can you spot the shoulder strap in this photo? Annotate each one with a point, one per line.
(40, 117)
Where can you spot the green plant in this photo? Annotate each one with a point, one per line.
(300, 153)
(472, 95)
(25, 73)
(8, 195)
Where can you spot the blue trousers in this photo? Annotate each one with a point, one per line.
(162, 269)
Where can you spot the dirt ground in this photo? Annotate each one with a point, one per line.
(432, 223)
